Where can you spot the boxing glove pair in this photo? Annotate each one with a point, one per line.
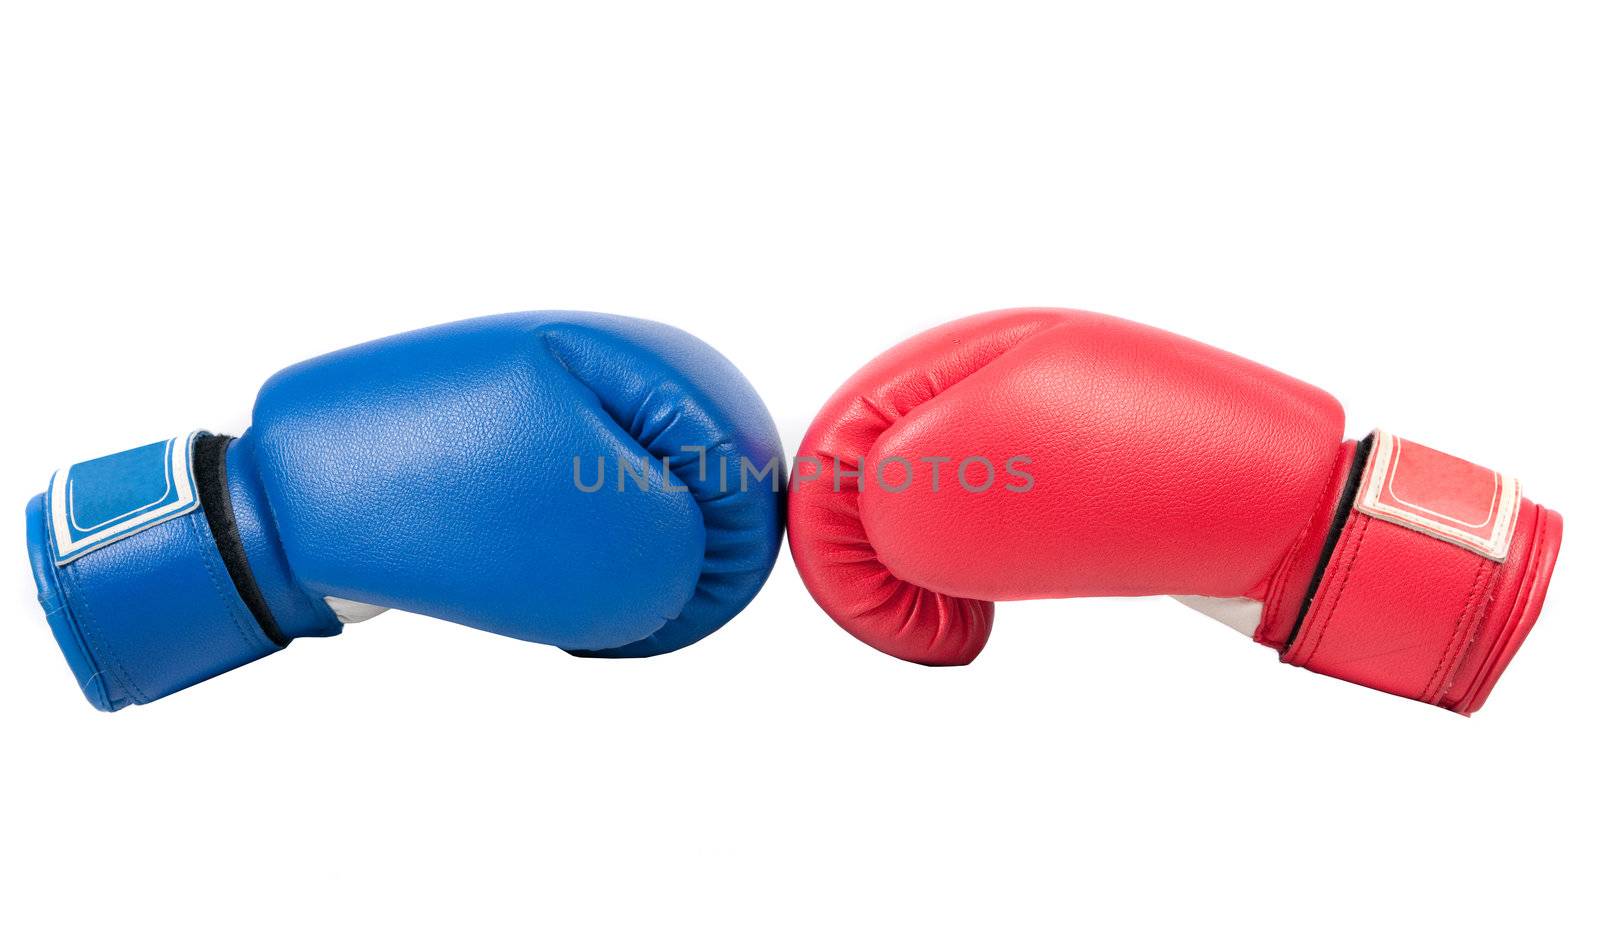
(613, 487)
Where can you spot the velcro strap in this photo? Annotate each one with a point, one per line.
(1408, 582)
(1439, 495)
(132, 580)
(95, 503)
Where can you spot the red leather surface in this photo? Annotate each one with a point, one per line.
(1514, 609)
(1160, 465)
(1417, 616)
(1157, 465)
(1285, 599)
(1395, 610)
(1441, 495)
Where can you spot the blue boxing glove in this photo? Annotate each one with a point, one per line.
(610, 486)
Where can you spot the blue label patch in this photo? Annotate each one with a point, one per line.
(103, 500)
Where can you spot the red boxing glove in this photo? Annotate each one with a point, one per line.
(1036, 453)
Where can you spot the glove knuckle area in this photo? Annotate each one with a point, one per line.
(838, 560)
(440, 471)
(1100, 458)
(697, 418)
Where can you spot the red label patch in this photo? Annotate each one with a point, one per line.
(1439, 495)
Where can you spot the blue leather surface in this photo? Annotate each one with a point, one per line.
(433, 472)
(117, 495)
(54, 602)
(297, 613)
(146, 615)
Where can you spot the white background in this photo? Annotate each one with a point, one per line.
(1394, 201)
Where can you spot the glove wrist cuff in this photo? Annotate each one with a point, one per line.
(254, 554)
(1434, 577)
(131, 577)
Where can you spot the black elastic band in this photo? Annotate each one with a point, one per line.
(211, 478)
(1341, 514)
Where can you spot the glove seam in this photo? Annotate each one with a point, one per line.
(1344, 516)
(222, 533)
(280, 553)
(1346, 563)
(1521, 600)
(1462, 635)
(229, 603)
(1279, 584)
(84, 615)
